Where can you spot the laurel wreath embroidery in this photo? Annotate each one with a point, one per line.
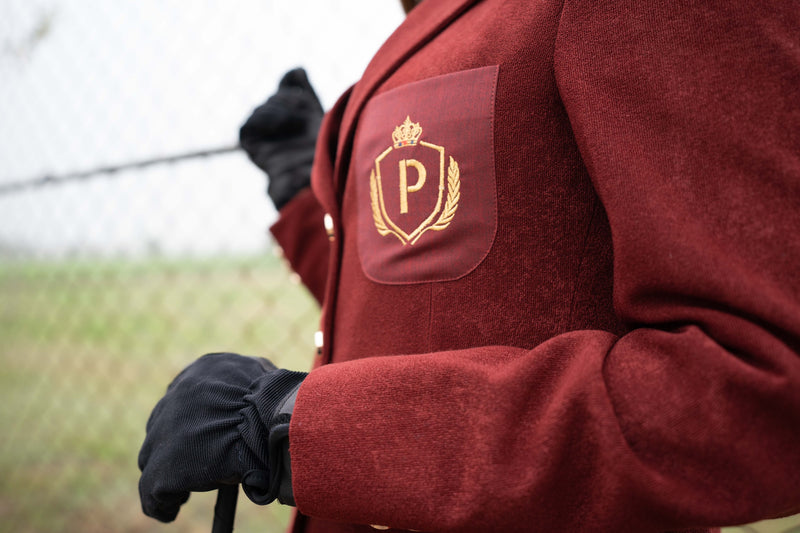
(453, 196)
(445, 217)
(380, 225)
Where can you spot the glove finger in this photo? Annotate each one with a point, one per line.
(163, 506)
(235, 368)
(295, 78)
(165, 510)
(147, 445)
(144, 454)
(298, 79)
(294, 110)
(154, 415)
(229, 368)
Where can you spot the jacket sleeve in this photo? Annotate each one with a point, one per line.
(687, 116)
(301, 234)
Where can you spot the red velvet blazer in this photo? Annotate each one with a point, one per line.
(562, 287)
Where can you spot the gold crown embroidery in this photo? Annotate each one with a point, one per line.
(404, 135)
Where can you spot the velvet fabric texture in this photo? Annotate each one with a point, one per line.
(625, 357)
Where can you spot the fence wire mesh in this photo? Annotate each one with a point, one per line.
(113, 277)
(133, 233)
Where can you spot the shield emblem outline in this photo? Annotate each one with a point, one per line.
(379, 210)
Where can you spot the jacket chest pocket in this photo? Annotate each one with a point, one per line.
(425, 178)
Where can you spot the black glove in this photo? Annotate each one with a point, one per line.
(224, 420)
(281, 134)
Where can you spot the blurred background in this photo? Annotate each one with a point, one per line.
(133, 236)
(133, 233)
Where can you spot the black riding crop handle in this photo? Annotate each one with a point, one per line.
(225, 509)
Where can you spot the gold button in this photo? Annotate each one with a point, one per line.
(328, 223)
(319, 341)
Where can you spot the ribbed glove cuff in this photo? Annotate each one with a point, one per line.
(265, 432)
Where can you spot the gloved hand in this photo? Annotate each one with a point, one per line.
(224, 420)
(280, 136)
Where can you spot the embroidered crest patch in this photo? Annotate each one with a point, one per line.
(427, 195)
(408, 134)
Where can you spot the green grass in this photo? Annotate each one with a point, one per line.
(87, 350)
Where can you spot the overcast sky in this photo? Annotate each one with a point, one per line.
(87, 84)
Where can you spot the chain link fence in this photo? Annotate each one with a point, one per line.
(133, 232)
